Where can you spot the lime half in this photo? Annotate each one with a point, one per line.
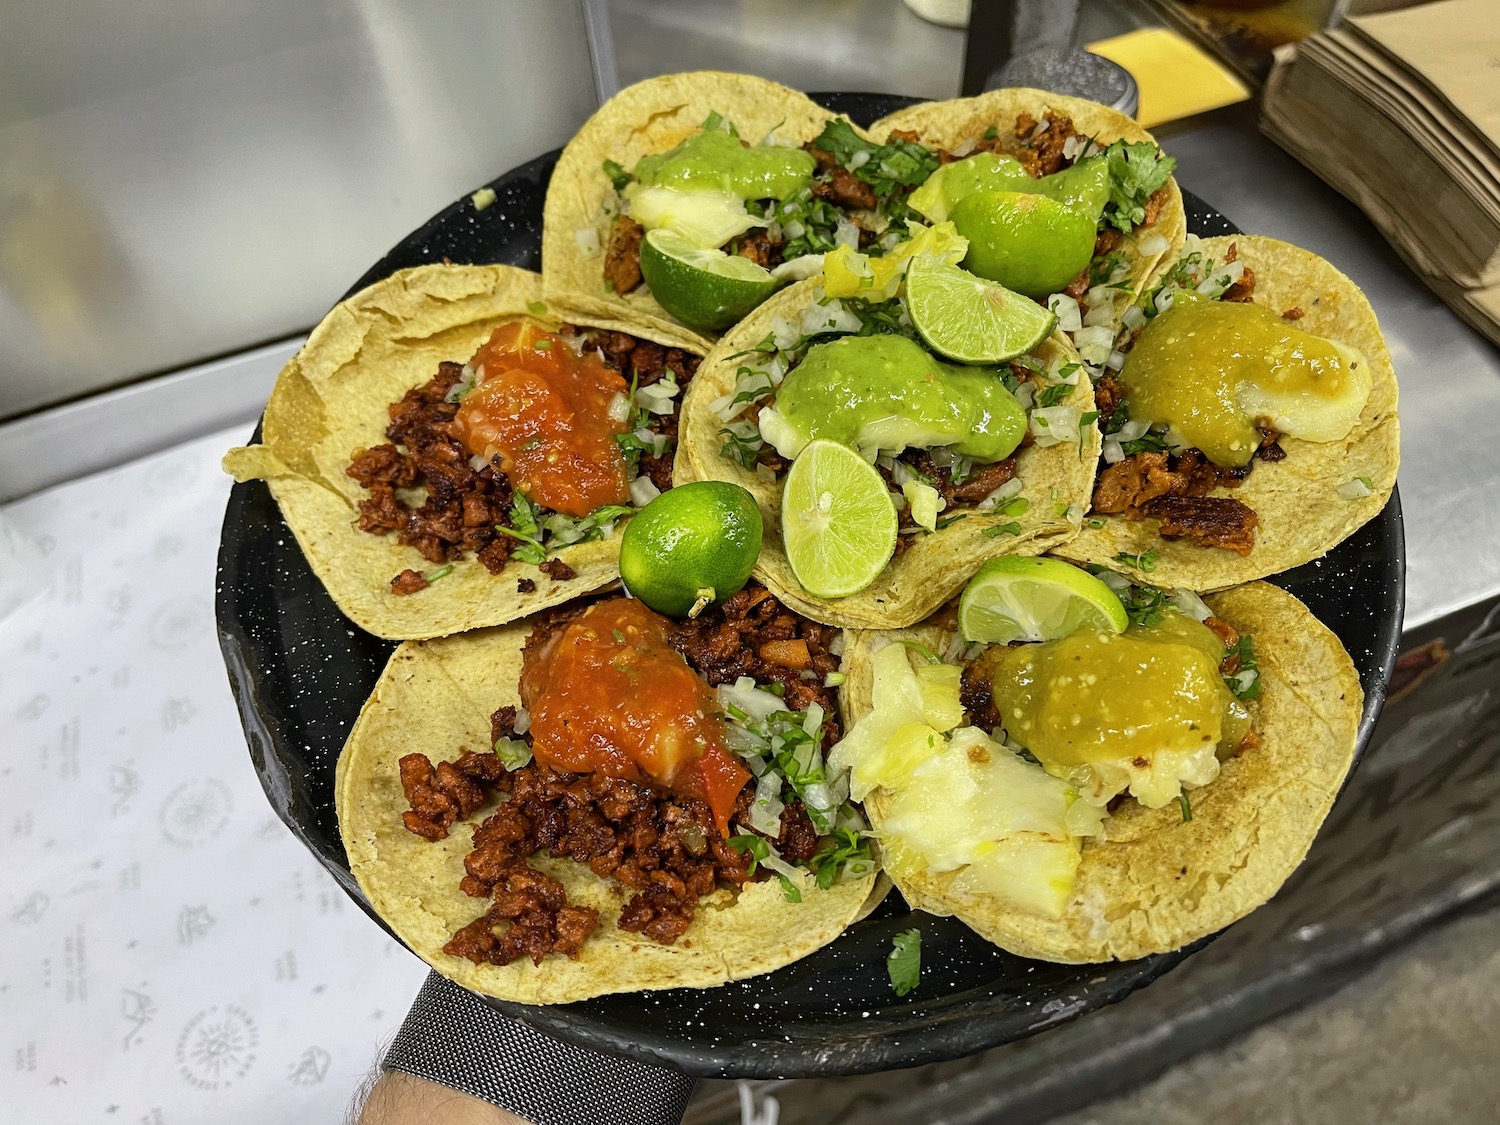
(691, 547)
(1024, 599)
(972, 320)
(1026, 242)
(838, 523)
(705, 289)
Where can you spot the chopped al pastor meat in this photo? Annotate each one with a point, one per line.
(759, 247)
(464, 503)
(1270, 441)
(557, 570)
(1293, 313)
(1207, 521)
(663, 845)
(846, 190)
(1243, 290)
(622, 256)
(1128, 487)
(1041, 151)
(1154, 203)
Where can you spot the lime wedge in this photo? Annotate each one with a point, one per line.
(969, 319)
(705, 289)
(838, 523)
(1024, 599)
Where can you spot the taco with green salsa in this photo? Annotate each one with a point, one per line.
(1065, 200)
(451, 454)
(978, 460)
(688, 199)
(600, 799)
(1248, 410)
(1103, 795)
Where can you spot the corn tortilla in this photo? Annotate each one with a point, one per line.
(331, 399)
(435, 697)
(936, 565)
(650, 117)
(1154, 882)
(1302, 515)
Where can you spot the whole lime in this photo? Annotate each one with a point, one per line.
(691, 547)
(1028, 243)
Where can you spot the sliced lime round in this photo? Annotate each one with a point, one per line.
(838, 523)
(705, 289)
(972, 320)
(1027, 599)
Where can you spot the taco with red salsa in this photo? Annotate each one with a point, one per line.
(601, 799)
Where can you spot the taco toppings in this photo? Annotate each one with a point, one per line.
(543, 439)
(1205, 384)
(672, 758)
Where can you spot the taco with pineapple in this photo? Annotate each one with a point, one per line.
(601, 799)
(1103, 795)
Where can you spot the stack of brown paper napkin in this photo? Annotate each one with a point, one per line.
(1401, 113)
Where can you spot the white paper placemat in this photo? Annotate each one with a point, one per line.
(169, 953)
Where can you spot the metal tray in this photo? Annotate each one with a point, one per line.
(301, 671)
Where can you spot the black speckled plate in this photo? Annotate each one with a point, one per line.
(301, 672)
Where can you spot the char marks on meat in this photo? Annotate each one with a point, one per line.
(622, 255)
(408, 582)
(557, 570)
(1041, 151)
(1207, 521)
(846, 190)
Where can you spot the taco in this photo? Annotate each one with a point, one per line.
(1015, 163)
(726, 178)
(1000, 462)
(646, 800)
(1250, 420)
(1185, 769)
(427, 500)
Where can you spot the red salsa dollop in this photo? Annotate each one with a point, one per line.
(609, 694)
(544, 409)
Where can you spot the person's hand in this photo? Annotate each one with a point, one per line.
(399, 1098)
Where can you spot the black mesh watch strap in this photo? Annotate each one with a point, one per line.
(454, 1038)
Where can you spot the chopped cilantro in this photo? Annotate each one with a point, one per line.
(441, 572)
(1145, 562)
(1135, 171)
(1185, 805)
(525, 527)
(1146, 443)
(1245, 686)
(789, 889)
(1011, 528)
(617, 175)
(744, 443)
(757, 846)
(1096, 523)
(991, 133)
(1085, 420)
(1102, 269)
(844, 847)
(536, 308)
(1145, 605)
(1051, 396)
(891, 169)
(904, 963)
(949, 521)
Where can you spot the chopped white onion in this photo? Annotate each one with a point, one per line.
(1094, 344)
(1026, 394)
(588, 242)
(619, 408)
(1113, 454)
(643, 491)
(1100, 316)
(1134, 430)
(793, 228)
(1354, 489)
(1071, 147)
(1191, 604)
(1154, 244)
(658, 397)
(964, 149)
(1116, 360)
(523, 720)
(477, 462)
(1065, 308)
(846, 233)
(1133, 317)
(1053, 425)
(859, 159)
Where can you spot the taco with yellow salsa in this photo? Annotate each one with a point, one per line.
(601, 799)
(1249, 418)
(451, 454)
(1106, 793)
